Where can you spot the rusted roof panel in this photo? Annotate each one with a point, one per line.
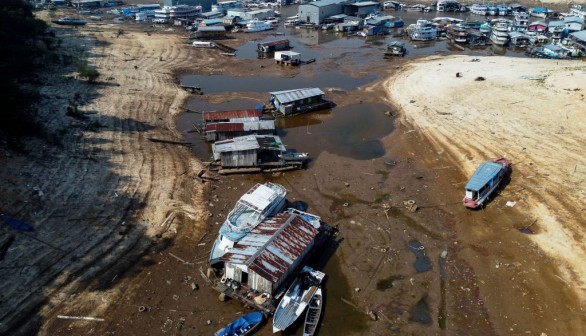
(274, 43)
(225, 127)
(273, 246)
(228, 115)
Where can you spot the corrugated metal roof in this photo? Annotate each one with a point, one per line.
(273, 246)
(228, 115)
(211, 29)
(247, 142)
(297, 94)
(323, 3)
(274, 43)
(485, 172)
(581, 35)
(366, 3)
(241, 126)
(225, 127)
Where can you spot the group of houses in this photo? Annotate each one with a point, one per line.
(246, 140)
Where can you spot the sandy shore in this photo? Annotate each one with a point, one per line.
(532, 111)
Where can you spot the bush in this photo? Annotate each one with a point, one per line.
(90, 74)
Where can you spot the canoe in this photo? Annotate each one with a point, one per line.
(313, 313)
(244, 325)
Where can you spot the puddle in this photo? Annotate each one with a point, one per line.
(323, 80)
(387, 283)
(422, 262)
(420, 313)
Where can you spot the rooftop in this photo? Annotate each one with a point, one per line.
(296, 94)
(485, 172)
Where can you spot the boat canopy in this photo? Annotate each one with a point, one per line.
(482, 175)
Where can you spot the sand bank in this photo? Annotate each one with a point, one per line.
(534, 112)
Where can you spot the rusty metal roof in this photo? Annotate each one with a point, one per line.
(228, 115)
(241, 126)
(273, 246)
(274, 43)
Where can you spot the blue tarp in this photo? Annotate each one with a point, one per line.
(16, 224)
(241, 325)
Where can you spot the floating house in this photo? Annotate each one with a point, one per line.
(288, 57)
(211, 32)
(255, 153)
(271, 46)
(578, 40)
(361, 9)
(264, 258)
(232, 116)
(292, 102)
(229, 130)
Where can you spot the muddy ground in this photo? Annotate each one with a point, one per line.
(142, 214)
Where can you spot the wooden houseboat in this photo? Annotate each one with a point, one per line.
(288, 57)
(487, 177)
(228, 130)
(297, 101)
(272, 46)
(252, 154)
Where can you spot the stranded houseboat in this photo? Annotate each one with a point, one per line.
(485, 180)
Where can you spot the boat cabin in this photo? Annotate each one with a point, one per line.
(248, 151)
(484, 181)
(288, 57)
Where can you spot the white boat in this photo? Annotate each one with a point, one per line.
(478, 9)
(260, 202)
(500, 34)
(257, 26)
(297, 297)
(313, 313)
(423, 30)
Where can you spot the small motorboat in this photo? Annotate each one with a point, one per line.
(69, 21)
(484, 181)
(313, 313)
(297, 298)
(244, 325)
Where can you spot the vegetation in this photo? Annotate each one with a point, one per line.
(19, 38)
(88, 73)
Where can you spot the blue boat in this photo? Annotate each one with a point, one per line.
(485, 180)
(244, 325)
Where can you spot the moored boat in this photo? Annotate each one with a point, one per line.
(258, 26)
(260, 202)
(242, 326)
(69, 21)
(487, 177)
(297, 297)
(313, 314)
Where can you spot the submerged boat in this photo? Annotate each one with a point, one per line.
(485, 180)
(69, 21)
(297, 297)
(244, 325)
(313, 313)
(396, 48)
(260, 202)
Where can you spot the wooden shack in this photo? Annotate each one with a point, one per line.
(264, 259)
(297, 101)
(248, 151)
(211, 32)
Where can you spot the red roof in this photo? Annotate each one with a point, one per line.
(225, 127)
(227, 115)
(273, 43)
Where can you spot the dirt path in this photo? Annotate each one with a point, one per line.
(534, 112)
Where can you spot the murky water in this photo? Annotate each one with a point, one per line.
(352, 131)
(422, 262)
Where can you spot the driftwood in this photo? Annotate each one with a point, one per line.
(169, 142)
